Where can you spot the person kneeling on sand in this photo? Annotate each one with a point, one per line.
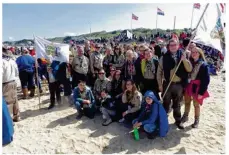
(107, 108)
(84, 100)
(153, 118)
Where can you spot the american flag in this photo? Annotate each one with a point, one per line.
(196, 5)
(134, 17)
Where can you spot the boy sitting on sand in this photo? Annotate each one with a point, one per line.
(153, 117)
(107, 107)
(84, 100)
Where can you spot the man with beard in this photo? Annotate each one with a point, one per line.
(166, 68)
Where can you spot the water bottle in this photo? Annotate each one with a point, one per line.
(136, 134)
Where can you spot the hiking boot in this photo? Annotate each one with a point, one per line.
(16, 119)
(184, 118)
(107, 122)
(79, 116)
(25, 93)
(179, 125)
(196, 123)
(32, 92)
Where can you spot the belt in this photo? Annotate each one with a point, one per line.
(8, 82)
(178, 82)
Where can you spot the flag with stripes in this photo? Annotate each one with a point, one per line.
(160, 12)
(134, 17)
(196, 5)
(223, 6)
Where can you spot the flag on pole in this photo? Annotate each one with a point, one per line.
(134, 17)
(223, 6)
(160, 12)
(196, 5)
(44, 48)
(210, 31)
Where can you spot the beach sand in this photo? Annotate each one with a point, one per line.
(58, 132)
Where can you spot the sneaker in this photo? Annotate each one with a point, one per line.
(51, 106)
(121, 120)
(107, 122)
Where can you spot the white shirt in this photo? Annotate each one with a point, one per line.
(9, 70)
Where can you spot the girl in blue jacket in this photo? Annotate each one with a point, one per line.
(153, 117)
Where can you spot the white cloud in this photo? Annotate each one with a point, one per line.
(69, 34)
(11, 38)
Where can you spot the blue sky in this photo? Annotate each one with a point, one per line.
(21, 21)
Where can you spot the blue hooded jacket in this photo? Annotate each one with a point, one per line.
(157, 116)
(7, 124)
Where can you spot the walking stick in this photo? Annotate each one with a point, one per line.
(192, 37)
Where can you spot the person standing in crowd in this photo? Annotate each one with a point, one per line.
(153, 117)
(116, 85)
(131, 103)
(111, 74)
(54, 88)
(64, 76)
(108, 60)
(84, 100)
(157, 49)
(149, 67)
(87, 49)
(80, 66)
(119, 58)
(26, 65)
(141, 56)
(9, 85)
(198, 85)
(108, 108)
(100, 84)
(166, 69)
(129, 68)
(96, 63)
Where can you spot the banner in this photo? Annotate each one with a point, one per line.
(45, 48)
(210, 30)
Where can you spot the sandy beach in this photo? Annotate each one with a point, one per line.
(58, 132)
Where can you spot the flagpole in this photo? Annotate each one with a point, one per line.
(36, 66)
(174, 26)
(192, 16)
(156, 22)
(131, 25)
(193, 35)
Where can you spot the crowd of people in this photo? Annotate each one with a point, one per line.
(124, 83)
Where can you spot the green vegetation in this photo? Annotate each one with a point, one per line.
(103, 34)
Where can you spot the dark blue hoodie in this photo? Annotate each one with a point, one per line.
(157, 114)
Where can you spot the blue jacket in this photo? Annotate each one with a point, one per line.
(25, 63)
(89, 96)
(55, 67)
(7, 124)
(158, 114)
